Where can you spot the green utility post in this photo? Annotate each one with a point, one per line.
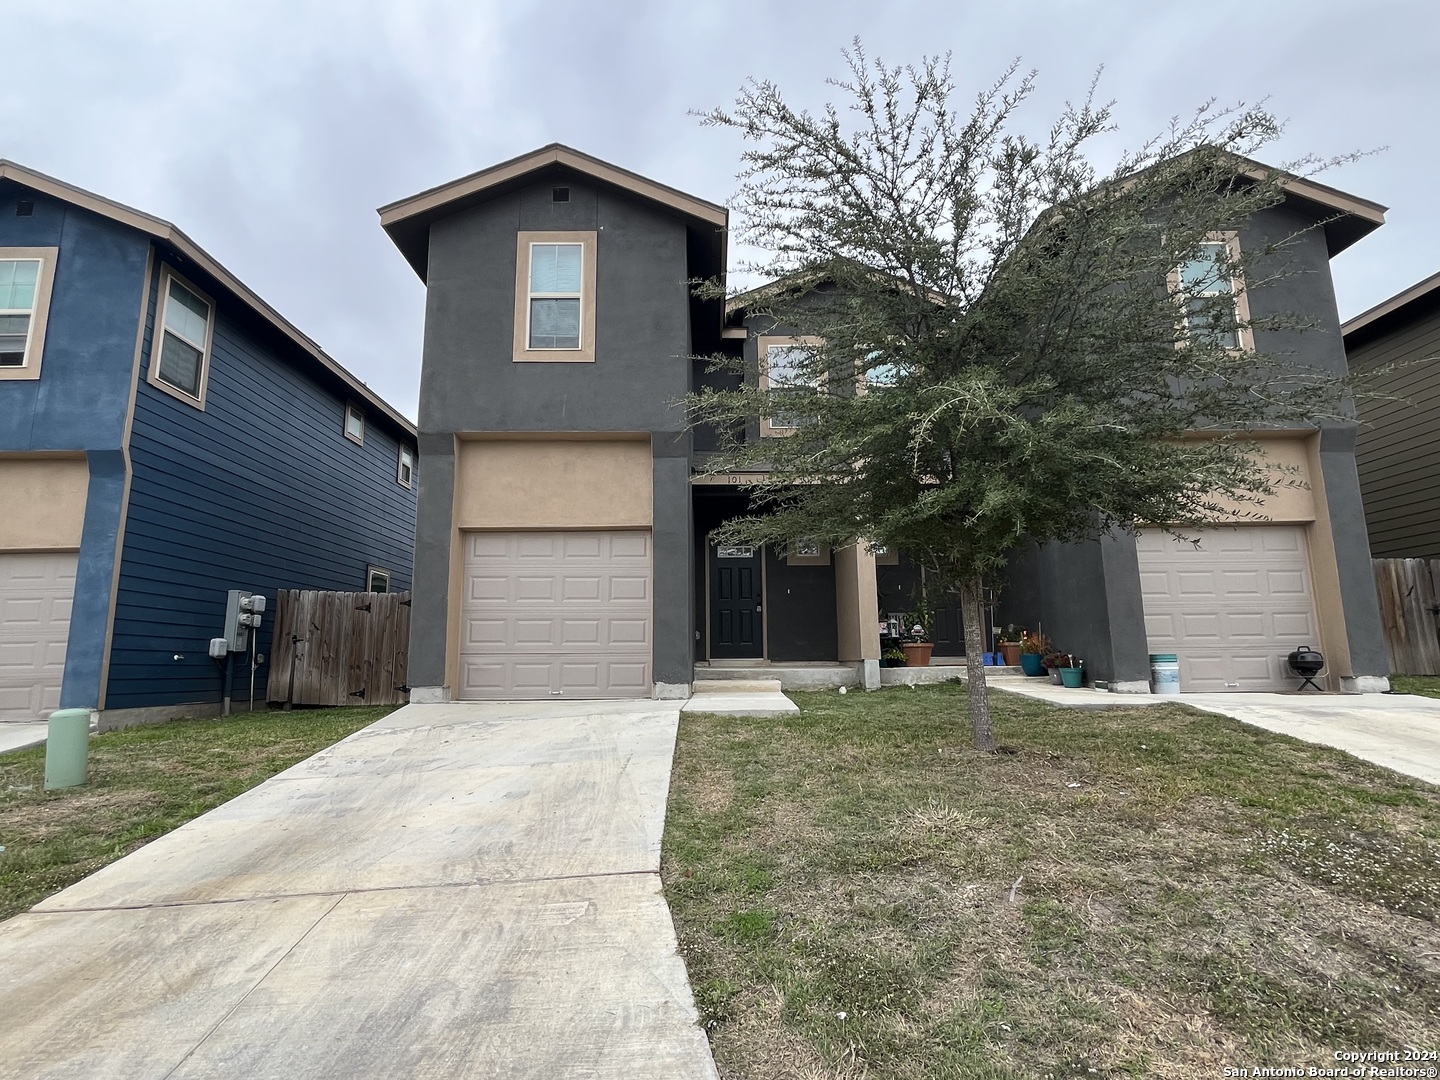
(67, 749)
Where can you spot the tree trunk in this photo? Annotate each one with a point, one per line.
(972, 600)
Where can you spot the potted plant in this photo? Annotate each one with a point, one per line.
(1051, 663)
(1033, 648)
(919, 646)
(1072, 671)
(1010, 639)
(892, 658)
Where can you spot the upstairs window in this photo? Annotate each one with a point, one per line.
(25, 278)
(783, 372)
(187, 326)
(1216, 307)
(355, 424)
(555, 297)
(405, 471)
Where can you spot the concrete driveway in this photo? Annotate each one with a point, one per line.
(456, 891)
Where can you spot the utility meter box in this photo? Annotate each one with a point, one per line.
(244, 613)
(218, 648)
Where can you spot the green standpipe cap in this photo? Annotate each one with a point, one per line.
(67, 749)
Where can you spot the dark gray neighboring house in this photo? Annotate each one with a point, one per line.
(1397, 451)
(562, 537)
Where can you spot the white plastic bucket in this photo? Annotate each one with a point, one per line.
(1165, 674)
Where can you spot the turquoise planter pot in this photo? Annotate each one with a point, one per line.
(1032, 663)
(1072, 676)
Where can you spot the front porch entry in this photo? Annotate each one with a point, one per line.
(736, 601)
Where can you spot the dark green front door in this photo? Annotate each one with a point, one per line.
(736, 619)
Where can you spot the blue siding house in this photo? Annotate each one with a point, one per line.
(165, 437)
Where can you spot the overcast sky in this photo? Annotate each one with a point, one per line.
(270, 130)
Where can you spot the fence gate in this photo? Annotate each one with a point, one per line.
(340, 648)
(1408, 612)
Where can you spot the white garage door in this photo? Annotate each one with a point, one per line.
(35, 596)
(556, 614)
(1233, 608)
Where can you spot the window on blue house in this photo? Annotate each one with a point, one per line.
(26, 275)
(377, 579)
(355, 424)
(186, 327)
(405, 473)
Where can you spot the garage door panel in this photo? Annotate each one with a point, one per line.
(36, 592)
(562, 614)
(1231, 608)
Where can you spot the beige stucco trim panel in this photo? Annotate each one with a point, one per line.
(585, 354)
(565, 484)
(46, 499)
(857, 604)
(40, 313)
(1325, 577)
(1295, 478)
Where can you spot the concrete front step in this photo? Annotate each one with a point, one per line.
(736, 686)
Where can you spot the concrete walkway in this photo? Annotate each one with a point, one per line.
(456, 891)
(1399, 731)
(21, 736)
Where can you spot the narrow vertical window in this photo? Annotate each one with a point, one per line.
(19, 289)
(555, 276)
(26, 277)
(185, 329)
(377, 580)
(1215, 307)
(354, 424)
(406, 470)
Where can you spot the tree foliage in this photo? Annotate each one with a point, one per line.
(1002, 346)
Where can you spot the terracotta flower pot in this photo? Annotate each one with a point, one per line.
(1010, 650)
(917, 653)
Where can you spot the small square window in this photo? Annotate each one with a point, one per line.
(560, 194)
(405, 473)
(354, 424)
(377, 580)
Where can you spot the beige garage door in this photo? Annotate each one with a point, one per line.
(1231, 608)
(35, 596)
(556, 614)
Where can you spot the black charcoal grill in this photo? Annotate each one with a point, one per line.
(1306, 663)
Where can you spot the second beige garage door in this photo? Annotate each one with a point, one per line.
(556, 615)
(36, 591)
(1231, 608)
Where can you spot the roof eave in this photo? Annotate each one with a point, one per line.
(164, 231)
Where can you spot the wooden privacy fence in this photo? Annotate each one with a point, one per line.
(346, 648)
(1408, 610)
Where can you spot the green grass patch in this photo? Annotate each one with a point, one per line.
(144, 781)
(1424, 685)
(1136, 892)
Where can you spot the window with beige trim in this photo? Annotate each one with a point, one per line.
(555, 297)
(1209, 279)
(377, 579)
(26, 278)
(405, 470)
(782, 364)
(355, 424)
(184, 334)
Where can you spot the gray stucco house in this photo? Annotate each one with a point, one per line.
(562, 536)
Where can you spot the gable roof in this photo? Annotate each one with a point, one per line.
(1347, 217)
(408, 220)
(1421, 294)
(164, 231)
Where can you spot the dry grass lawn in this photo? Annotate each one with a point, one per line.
(1143, 892)
(144, 781)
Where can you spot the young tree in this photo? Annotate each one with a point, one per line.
(1011, 343)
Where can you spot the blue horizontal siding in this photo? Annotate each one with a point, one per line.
(260, 491)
